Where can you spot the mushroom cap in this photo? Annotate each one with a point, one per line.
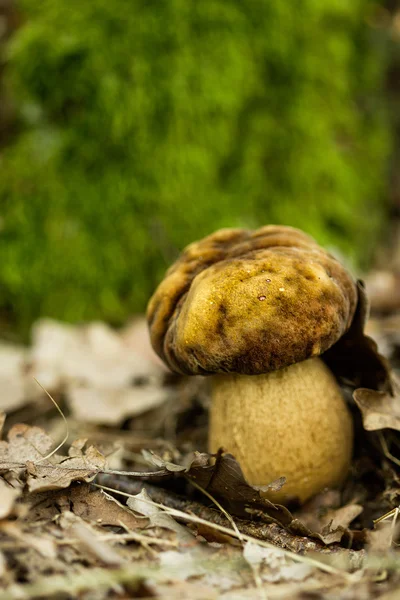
(250, 302)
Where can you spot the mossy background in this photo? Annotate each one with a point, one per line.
(145, 124)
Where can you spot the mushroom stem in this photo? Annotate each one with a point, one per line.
(293, 422)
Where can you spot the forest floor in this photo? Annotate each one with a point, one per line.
(107, 490)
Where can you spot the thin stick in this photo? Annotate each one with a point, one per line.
(137, 474)
(387, 515)
(65, 422)
(393, 526)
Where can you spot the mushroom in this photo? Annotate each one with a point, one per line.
(255, 309)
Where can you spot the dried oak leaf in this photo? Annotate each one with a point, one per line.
(24, 443)
(324, 515)
(65, 470)
(25, 451)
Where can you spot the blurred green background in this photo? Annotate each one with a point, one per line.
(133, 127)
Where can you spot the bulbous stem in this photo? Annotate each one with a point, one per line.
(293, 422)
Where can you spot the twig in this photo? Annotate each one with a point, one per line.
(140, 475)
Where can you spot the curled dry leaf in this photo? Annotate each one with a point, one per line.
(335, 523)
(153, 459)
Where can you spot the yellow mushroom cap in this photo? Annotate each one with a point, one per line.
(250, 302)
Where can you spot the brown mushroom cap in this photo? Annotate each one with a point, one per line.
(250, 302)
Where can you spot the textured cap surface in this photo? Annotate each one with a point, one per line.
(250, 302)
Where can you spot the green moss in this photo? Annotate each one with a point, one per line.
(146, 124)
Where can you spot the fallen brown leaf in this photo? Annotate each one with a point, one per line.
(98, 506)
(76, 468)
(27, 451)
(24, 443)
(335, 523)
